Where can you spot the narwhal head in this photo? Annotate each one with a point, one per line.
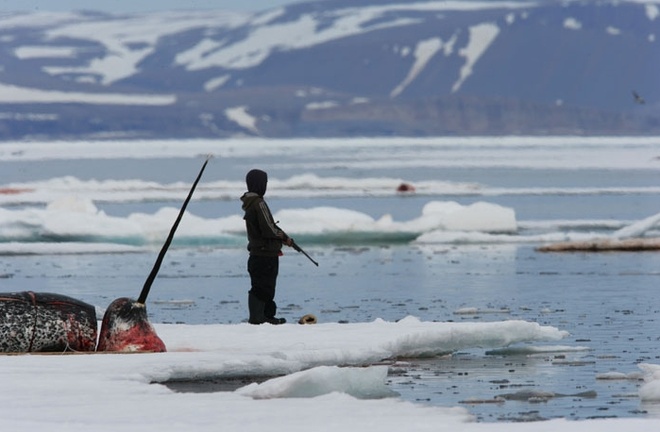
(126, 328)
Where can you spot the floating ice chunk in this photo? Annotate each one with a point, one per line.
(633, 376)
(530, 350)
(466, 311)
(477, 311)
(72, 216)
(320, 219)
(543, 396)
(182, 302)
(478, 401)
(63, 248)
(650, 391)
(363, 383)
(72, 204)
(480, 216)
(639, 228)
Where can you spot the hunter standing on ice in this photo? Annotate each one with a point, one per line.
(265, 241)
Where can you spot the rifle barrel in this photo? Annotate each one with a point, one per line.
(295, 246)
(299, 249)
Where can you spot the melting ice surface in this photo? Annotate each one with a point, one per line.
(308, 388)
(460, 248)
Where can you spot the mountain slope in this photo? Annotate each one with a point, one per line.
(334, 68)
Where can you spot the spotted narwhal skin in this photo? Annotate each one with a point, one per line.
(45, 322)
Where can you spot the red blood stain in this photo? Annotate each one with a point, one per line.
(126, 328)
(405, 188)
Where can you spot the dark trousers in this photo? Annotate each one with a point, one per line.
(263, 277)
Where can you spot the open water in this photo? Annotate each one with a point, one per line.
(609, 302)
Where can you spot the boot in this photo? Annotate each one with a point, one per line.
(270, 309)
(256, 308)
(275, 321)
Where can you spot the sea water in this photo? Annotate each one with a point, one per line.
(609, 302)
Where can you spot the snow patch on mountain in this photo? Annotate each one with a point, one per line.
(17, 95)
(204, 48)
(312, 29)
(424, 51)
(267, 16)
(131, 41)
(215, 83)
(572, 24)
(321, 105)
(37, 19)
(481, 36)
(30, 52)
(240, 116)
(263, 41)
(613, 31)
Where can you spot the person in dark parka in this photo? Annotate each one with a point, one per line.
(265, 241)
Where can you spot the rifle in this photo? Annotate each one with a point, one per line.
(297, 248)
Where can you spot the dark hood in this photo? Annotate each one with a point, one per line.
(249, 198)
(257, 181)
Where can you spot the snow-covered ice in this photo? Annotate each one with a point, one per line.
(325, 377)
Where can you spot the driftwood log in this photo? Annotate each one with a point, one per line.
(604, 245)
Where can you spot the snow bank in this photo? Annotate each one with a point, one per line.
(355, 344)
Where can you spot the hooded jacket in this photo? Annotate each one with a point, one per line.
(264, 237)
(257, 181)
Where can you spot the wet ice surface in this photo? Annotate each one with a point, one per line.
(608, 302)
(519, 388)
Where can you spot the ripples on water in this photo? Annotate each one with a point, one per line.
(608, 302)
